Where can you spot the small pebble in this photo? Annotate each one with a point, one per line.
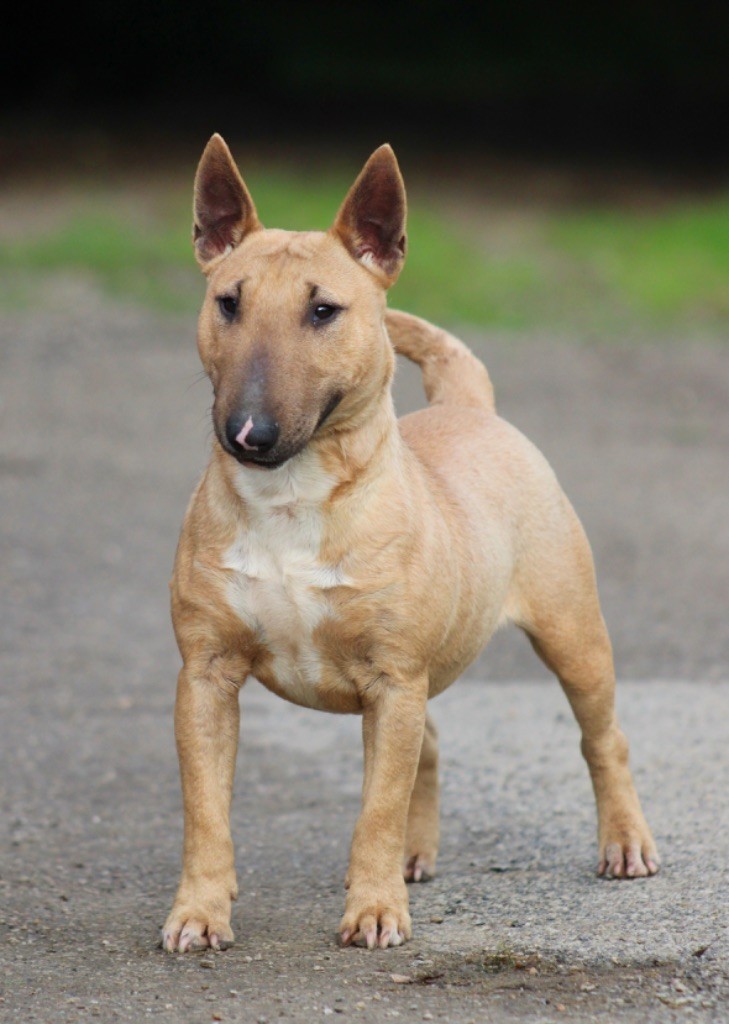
(436, 919)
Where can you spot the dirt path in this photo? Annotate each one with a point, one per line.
(103, 432)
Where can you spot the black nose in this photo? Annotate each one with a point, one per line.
(247, 432)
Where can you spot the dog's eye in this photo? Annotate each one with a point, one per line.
(228, 305)
(323, 312)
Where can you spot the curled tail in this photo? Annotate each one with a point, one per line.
(451, 372)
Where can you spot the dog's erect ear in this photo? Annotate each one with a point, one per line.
(371, 220)
(223, 210)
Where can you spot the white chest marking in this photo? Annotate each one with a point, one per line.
(279, 587)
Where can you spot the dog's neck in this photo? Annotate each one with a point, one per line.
(342, 461)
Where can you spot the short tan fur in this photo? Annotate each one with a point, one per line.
(354, 562)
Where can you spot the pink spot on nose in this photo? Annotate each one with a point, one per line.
(245, 431)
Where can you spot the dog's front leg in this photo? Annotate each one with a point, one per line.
(207, 721)
(377, 901)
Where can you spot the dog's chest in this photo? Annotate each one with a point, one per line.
(279, 588)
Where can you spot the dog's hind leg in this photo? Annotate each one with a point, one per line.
(423, 828)
(562, 617)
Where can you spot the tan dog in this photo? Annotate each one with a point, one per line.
(354, 563)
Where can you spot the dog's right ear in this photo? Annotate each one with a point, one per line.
(223, 210)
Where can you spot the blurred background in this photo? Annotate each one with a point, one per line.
(569, 214)
(568, 185)
(566, 165)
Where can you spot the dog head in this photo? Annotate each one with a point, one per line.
(291, 330)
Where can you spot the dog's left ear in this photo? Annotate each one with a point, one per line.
(223, 210)
(371, 220)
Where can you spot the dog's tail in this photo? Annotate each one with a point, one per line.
(451, 372)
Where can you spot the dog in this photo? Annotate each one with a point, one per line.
(355, 563)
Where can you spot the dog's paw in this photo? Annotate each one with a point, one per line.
(419, 867)
(628, 853)
(194, 925)
(376, 919)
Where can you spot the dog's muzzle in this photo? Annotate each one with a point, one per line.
(251, 437)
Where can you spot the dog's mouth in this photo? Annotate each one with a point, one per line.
(259, 461)
(274, 459)
(334, 399)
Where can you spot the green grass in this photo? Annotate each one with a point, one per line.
(607, 269)
(147, 263)
(667, 266)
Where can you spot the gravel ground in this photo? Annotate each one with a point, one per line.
(103, 430)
